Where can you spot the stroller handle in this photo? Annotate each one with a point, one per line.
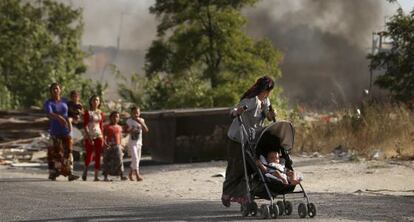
(245, 107)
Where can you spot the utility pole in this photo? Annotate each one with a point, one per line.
(118, 43)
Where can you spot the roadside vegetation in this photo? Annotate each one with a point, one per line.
(380, 131)
(39, 45)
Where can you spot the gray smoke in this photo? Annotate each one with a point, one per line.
(116, 32)
(325, 44)
(109, 21)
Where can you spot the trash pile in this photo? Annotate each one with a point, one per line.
(23, 136)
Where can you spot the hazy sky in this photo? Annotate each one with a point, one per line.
(406, 4)
(131, 21)
(336, 34)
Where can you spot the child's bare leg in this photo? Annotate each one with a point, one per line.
(122, 177)
(293, 178)
(96, 175)
(70, 120)
(139, 178)
(106, 177)
(130, 175)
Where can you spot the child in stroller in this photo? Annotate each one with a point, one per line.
(276, 170)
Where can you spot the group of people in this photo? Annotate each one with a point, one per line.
(254, 107)
(99, 139)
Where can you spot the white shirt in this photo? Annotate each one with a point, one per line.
(135, 136)
(253, 117)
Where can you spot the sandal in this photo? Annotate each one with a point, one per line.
(225, 201)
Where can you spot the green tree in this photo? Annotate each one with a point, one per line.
(202, 57)
(398, 62)
(40, 44)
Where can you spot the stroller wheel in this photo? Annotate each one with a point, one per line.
(274, 211)
(281, 206)
(248, 208)
(253, 208)
(311, 210)
(302, 210)
(288, 207)
(264, 211)
(244, 208)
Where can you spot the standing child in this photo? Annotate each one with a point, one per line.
(75, 109)
(112, 159)
(135, 126)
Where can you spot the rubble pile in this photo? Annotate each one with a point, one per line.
(23, 136)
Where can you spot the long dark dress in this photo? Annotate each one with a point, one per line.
(234, 186)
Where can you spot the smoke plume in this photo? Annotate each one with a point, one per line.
(325, 44)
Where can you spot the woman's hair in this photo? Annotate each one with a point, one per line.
(113, 113)
(92, 98)
(264, 83)
(53, 85)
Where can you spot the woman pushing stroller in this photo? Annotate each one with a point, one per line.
(247, 178)
(254, 107)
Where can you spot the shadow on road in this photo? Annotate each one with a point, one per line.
(330, 207)
(19, 180)
(190, 211)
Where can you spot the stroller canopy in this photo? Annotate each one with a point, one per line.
(279, 137)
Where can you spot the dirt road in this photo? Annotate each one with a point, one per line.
(342, 191)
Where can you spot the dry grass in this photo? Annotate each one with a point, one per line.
(381, 128)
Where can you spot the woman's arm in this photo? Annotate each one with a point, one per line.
(86, 123)
(288, 160)
(102, 120)
(237, 111)
(244, 105)
(271, 115)
(269, 111)
(59, 118)
(52, 115)
(104, 137)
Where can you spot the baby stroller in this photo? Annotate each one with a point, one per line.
(261, 187)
